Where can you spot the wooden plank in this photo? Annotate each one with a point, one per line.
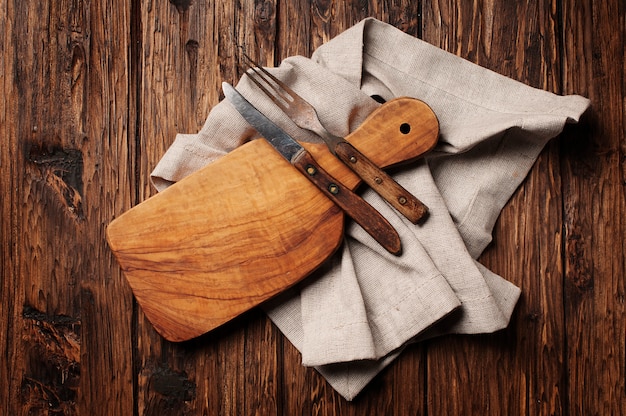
(518, 370)
(262, 355)
(101, 95)
(188, 49)
(177, 84)
(11, 288)
(64, 181)
(594, 203)
(290, 42)
(262, 361)
(299, 26)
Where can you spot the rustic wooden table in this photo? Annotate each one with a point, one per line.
(93, 93)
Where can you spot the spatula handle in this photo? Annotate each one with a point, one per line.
(353, 205)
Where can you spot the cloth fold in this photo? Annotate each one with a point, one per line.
(355, 314)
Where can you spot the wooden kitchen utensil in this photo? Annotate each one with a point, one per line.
(249, 225)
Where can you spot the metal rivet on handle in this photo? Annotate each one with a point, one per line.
(333, 189)
(402, 200)
(310, 169)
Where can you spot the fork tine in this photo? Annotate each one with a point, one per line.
(271, 76)
(269, 94)
(279, 89)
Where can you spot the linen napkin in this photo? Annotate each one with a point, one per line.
(354, 315)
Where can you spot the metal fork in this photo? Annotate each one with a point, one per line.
(305, 116)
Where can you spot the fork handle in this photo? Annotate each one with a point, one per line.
(353, 205)
(401, 199)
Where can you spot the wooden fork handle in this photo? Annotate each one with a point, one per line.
(353, 205)
(401, 199)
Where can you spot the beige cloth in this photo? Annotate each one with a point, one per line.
(355, 314)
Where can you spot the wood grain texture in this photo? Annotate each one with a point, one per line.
(188, 260)
(249, 225)
(66, 124)
(93, 94)
(594, 210)
(381, 182)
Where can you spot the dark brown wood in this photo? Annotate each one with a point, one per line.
(352, 205)
(380, 181)
(594, 186)
(94, 93)
(66, 123)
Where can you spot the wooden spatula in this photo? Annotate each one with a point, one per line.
(249, 225)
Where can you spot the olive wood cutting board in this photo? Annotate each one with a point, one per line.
(248, 225)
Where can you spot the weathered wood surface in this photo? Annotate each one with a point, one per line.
(93, 94)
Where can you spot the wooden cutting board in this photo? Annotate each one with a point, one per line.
(249, 225)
